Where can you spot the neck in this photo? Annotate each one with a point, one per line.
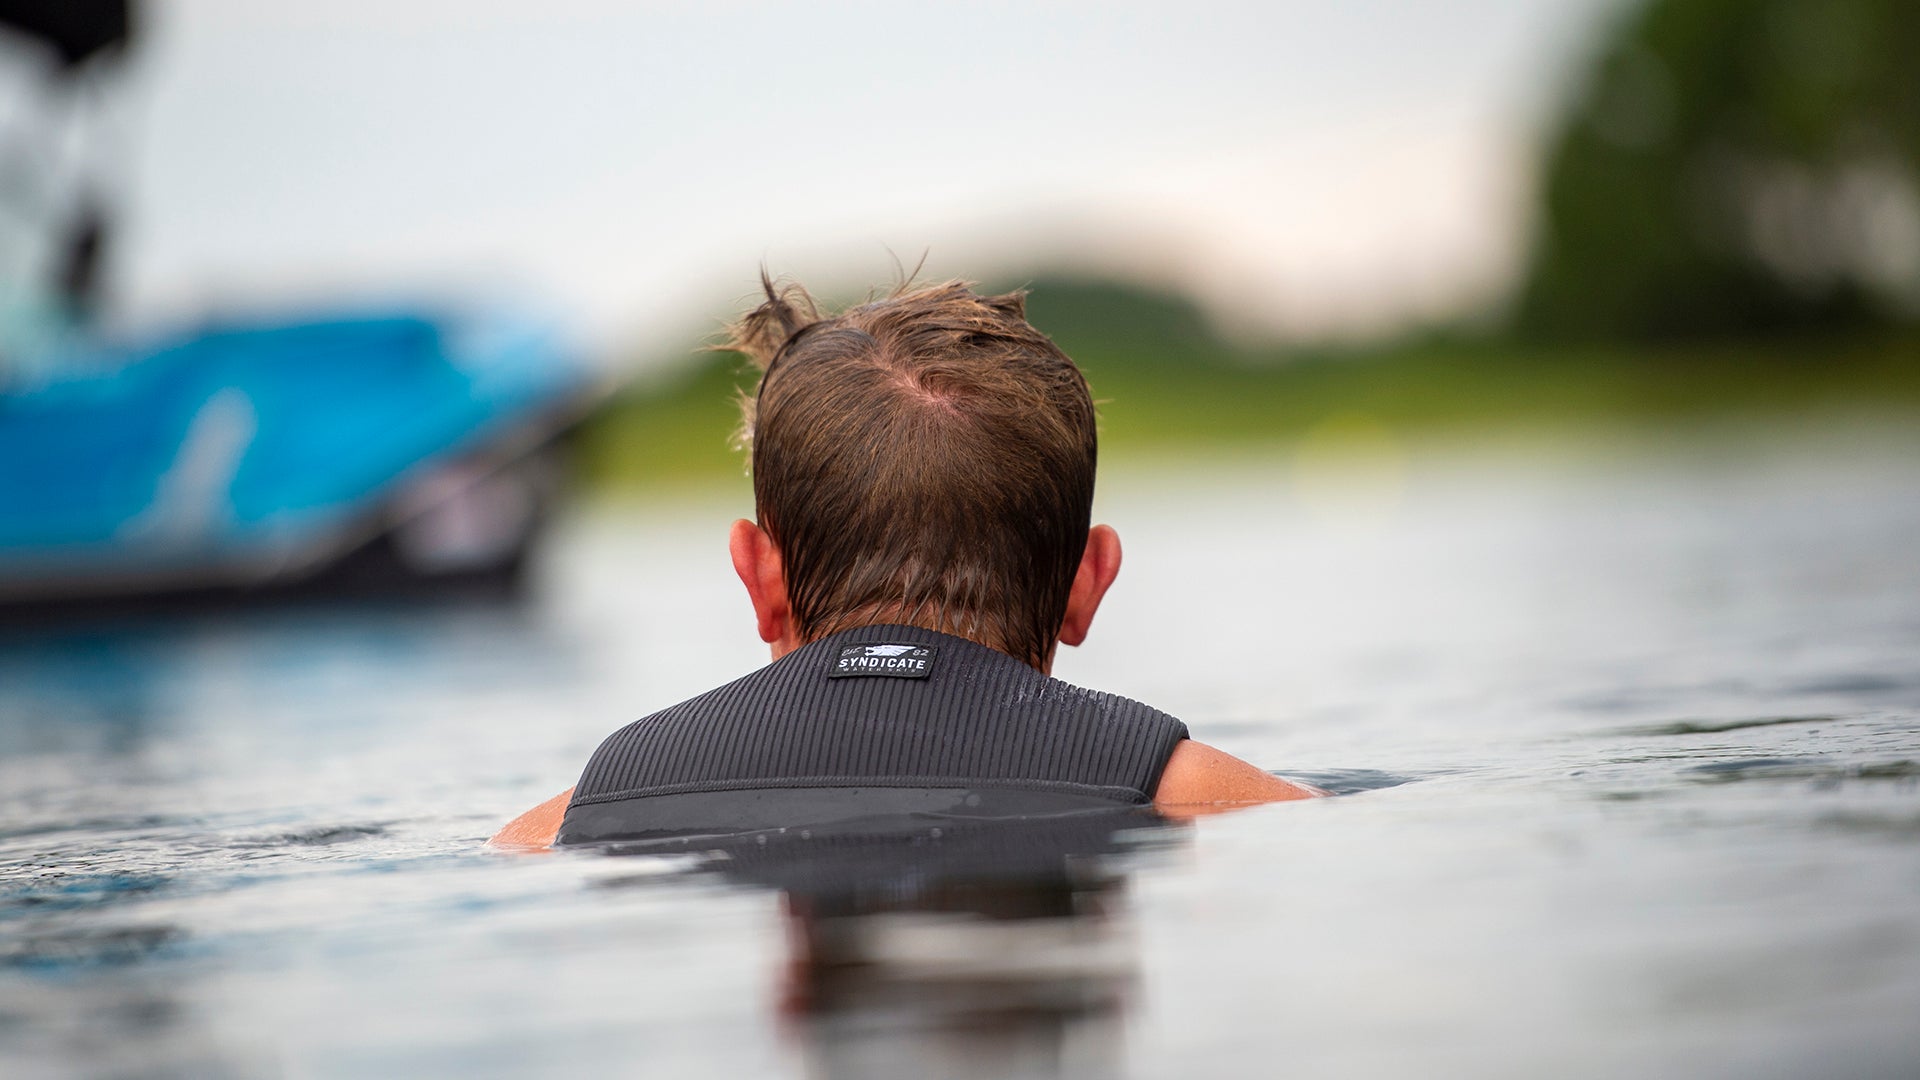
(794, 638)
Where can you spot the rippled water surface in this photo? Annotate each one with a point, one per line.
(1629, 742)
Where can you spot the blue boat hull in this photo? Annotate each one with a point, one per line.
(253, 458)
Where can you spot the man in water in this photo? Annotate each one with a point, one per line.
(923, 471)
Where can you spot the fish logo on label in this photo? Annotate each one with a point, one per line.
(889, 650)
(890, 659)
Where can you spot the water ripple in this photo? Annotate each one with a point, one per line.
(1353, 781)
(1713, 727)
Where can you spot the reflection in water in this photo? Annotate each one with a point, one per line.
(979, 949)
(87, 690)
(966, 980)
(103, 689)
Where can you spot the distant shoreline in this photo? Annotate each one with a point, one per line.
(1200, 398)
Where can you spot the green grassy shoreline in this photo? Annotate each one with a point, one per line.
(674, 432)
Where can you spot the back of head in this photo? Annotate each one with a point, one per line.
(926, 458)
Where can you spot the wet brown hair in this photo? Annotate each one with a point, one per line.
(925, 458)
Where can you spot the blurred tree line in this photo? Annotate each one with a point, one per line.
(1732, 168)
(1728, 222)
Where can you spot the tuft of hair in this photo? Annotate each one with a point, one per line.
(762, 333)
(924, 458)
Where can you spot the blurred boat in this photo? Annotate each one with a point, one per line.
(368, 455)
(374, 453)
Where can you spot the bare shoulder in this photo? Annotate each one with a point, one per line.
(1200, 779)
(536, 828)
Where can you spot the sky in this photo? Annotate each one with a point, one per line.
(1304, 168)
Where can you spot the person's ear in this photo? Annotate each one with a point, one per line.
(757, 560)
(1099, 565)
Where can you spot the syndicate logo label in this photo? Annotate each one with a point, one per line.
(894, 660)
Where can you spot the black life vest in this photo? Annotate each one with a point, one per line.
(879, 724)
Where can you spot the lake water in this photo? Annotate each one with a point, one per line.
(1630, 737)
